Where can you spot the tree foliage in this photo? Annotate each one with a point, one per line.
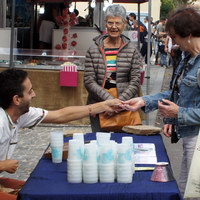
(166, 7)
(169, 5)
(183, 2)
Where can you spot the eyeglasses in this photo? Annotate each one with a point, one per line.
(117, 24)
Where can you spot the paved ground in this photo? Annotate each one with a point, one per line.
(32, 143)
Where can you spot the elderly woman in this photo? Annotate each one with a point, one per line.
(112, 62)
(181, 105)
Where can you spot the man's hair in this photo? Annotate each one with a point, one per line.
(116, 10)
(132, 15)
(185, 21)
(11, 81)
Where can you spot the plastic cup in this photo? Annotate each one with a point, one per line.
(124, 155)
(74, 180)
(90, 153)
(124, 179)
(106, 155)
(78, 136)
(75, 150)
(92, 179)
(57, 153)
(57, 138)
(103, 137)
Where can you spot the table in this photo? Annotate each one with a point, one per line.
(48, 181)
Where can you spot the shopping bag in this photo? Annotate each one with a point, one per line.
(193, 183)
(118, 121)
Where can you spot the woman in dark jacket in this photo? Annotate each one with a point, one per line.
(112, 62)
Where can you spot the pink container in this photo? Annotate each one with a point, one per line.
(68, 79)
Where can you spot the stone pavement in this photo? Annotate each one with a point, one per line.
(32, 143)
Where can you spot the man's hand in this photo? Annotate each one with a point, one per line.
(108, 106)
(168, 109)
(133, 104)
(167, 130)
(9, 166)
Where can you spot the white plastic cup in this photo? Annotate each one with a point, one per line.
(78, 136)
(75, 151)
(57, 153)
(74, 171)
(106, 155)
(123, 169)
(74, 180)
(124, 179)
(129, 141)
(90, 153)
(57, 138)
(90, 179)
(103, 137)
(124, 155)
(90, 173)
(107, 173)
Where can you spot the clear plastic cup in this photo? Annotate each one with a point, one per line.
(124, 179)
(90, 154)
(78, 136)
(106, 155)
(57, 153)
(74, 180)
(57, 138)
(103, 137)
(75, 150)
(124, 155)
(87, 179)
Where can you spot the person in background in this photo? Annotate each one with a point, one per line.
(161, 36)
(16, 93)
(138, 24)
(112, 62)
(46, 23)
(181, 104)
(144, 47)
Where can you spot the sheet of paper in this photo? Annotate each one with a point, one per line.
(145, 153)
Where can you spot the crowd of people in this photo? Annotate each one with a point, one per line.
(113, 62)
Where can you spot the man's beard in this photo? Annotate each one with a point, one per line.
(24, 107)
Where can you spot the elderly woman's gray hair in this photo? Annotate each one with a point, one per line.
(116, 10)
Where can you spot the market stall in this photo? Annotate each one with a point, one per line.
(44, 66)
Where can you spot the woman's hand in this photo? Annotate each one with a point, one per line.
(168, 109)
(133, 104)
(167, 130)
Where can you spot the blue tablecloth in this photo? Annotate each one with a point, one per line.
(49, 181)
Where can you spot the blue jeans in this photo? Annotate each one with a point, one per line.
(163, 59)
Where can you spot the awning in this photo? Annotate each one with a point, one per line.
(61, 1)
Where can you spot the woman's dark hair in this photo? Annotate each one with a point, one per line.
(185, 22)
(11, 81)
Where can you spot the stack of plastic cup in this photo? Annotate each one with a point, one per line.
(106, 163)
(90, 165)
(129, 142)
(56, 144)
(124, 164)
(74, 162)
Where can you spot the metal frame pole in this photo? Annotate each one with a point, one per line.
(148, 76)
(12, 34)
